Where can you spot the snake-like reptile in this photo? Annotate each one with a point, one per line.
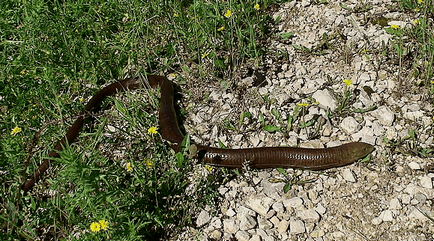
(263, 157)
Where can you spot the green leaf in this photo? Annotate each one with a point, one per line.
(180, 159)
(271, 128)
(275, 113)
(287, 187)
(281, 170)
(286, 36)
(261, 119)
(221, 144)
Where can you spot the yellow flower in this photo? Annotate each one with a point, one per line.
(176, 15)
(208, 167)
(129, 167)
(24, 72)
(416, 9)
(347, 82)
(221, 28)
(205, 54)
(228, 14)
(104, 224)
(15, 130)
(95, 227)
(149, 163)
(256, 7)
(420, 1)
(416, 21)
(152, 130)
(81, 99)
(303, 104)
(395, 26)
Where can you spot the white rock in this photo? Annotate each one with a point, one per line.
(230, 226)
(384, 115)
(296, 226)
(247, 222)
(395, 204)
(295, 202)
(309, 215)
(349, 125)
(413, 115)
(282, 226)
(216, 235)
(325, 99)
(203, 218)
(348, 175)
(260, 204)
(376, 221)
(242, 236)
(426, 182)
(255, 237)
(230, 212)
(386, 216)
(414, 165)
(320, 209)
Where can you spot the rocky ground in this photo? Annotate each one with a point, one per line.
(388, 197)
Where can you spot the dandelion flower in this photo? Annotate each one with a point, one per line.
(416, 21)
(347, 82)
(149, 163)
(15, 130)
(103, 224)
(256, 7)
(416, 9)
(221, 28)
(395, 26)
(420, 1)
(152, 130)
(205, 54)
(228, 14)
(95, 227)
(208, 167)
(176, 15)
(129, 167)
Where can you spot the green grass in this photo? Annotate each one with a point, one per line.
(54, 53)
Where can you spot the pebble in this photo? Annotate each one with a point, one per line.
(349, 125)
(414, 165)
(296, 226)
(260, 204)
(325, 100)
(426, 181)
(230, 226)
(385, 115)
(203, 218)
(348, 175)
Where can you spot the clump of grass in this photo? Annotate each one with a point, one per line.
(53, 56)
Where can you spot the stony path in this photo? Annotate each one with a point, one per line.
(389, 197)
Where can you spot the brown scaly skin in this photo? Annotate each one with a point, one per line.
(264, 157)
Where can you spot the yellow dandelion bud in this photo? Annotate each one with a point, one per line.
(395, 26)
(176, 15)
(15, 130)
(347, 82)
(95, 227)
(104, 224)
(221, 28)
(208, 167)
(416, 21)
(256, 7)
(228, 14)
(420, 1)
(416, 9)
(152, 130)
(129, 167)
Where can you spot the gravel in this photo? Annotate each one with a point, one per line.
(389, 197)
